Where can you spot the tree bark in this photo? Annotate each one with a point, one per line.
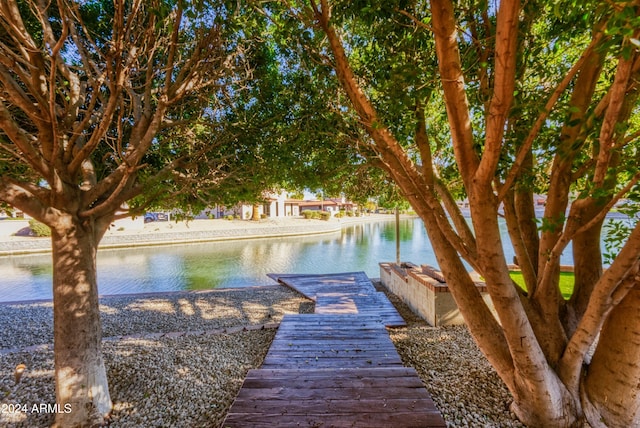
(612, 384)
(587, 262)
(523, 259)
(483, 326)
(571, 139)
(255, 212)
(80, 375)
(525, 212)
(540, 398)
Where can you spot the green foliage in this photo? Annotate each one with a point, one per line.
(39, 229)
(617, 231)
(392, 199)
(316, 215)
(291, 130)
(553, 225)
(310, 214)
(346, 213)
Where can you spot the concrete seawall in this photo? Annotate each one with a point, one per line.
(196, 231)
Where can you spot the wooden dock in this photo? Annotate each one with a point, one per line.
(344, 293)
(335, 368)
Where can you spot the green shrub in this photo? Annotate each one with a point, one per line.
(324, 215)
(39, 229)
(308, 214)
(229, 217)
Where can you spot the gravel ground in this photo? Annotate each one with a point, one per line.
(28, 324)
(462, 383)
(178, 380)
(190, 380)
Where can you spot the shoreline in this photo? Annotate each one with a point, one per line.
(196, 231)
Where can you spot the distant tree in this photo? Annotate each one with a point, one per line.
(103, 103)
(495, 101)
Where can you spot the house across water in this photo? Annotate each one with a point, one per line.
(279, 206)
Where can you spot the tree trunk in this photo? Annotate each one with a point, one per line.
(525, 212)
(587, 262)
(255, 212)
(612, 384)
(540, 398)
(82, 392)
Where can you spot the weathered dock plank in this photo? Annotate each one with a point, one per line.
(344, 293)
(336, 397)
(335, 368)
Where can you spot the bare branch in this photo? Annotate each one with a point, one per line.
(51, 146)
(25, 142)
(17, 95)
(115, 199)
(415, 20)
(452, 78)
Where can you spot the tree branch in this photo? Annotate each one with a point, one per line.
(616, 101)
(612, 283)
(26, 197)
(504, 84)
(452, 78)
(542, 117)
(25, 142)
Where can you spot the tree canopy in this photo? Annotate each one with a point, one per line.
(289, 130)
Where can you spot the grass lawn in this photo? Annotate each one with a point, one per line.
(566, 282)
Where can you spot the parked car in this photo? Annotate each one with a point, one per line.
(149, 217)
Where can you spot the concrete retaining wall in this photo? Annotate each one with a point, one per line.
(427, 297)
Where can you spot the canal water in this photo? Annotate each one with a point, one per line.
(358, 247)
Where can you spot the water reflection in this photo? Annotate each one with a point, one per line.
(359, 247)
